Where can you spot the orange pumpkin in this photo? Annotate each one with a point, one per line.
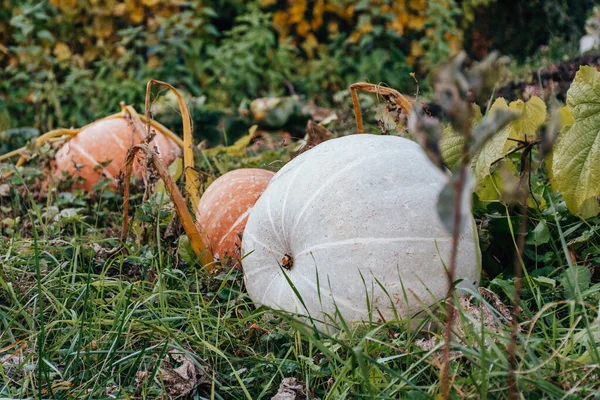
(100, 149)
(224, 208)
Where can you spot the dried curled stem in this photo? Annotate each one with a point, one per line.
(390, 93)
(39, 141)
(199, 247)
(192, 185)
(191, 230)
(524, 187)
(48, 136)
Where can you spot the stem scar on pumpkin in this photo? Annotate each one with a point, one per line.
(287, 262)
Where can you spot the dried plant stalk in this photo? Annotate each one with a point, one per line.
(191, 182)
(393, 95)
(126, 190)
(39, 141)
(519, 263)
(73, 132)
(140, 121)
(190, 228)
(199, 247)
(459, 186)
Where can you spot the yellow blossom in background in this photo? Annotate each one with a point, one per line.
(62, 52)
(306, 22)
(416, 51)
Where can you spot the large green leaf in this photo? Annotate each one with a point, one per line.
(492, 150)
(576, 155)
(532, 115)
(452, 143)
(565, 120)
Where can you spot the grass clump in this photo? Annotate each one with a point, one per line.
(79, 319)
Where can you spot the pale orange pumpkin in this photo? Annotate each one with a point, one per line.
(100, 149)
(224, 208)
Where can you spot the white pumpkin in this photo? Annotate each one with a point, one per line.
(348, 221)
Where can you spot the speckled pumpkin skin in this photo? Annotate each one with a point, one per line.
(104, 141)
(224, 208)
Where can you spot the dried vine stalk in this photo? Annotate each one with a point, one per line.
(192, 184)
(48, 136)
(390, 93)
(189, 227)
(459, 187)
(524, 185)
(56, 133)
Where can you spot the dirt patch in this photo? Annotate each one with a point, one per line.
(555, 79)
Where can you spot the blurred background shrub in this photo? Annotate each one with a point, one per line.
(69, 62)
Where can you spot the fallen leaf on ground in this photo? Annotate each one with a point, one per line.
(185, 379)
(290, 389)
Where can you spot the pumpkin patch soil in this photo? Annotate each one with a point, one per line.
(555, 79)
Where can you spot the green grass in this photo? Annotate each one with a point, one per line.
(77, 321)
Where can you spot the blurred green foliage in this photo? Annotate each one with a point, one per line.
(519, 28)
(67, 63)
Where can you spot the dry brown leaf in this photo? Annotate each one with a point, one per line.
(264, 140)
(315, 134)
(184, 379)
(477, 313)
(320, 114)
(290, 389)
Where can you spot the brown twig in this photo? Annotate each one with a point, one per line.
(518, 148)
(191, 181)
(512, 347)
(126, 190)
(190, 228)
(458, 187)
(393, 94)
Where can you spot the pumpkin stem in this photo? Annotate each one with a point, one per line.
(287, 262)
(393, 94)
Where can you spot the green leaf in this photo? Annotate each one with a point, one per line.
(544, 281)
(492, 150)
(576, 280)
(532, 115)
(565, 120)
(501, 183)
(540, 235)
(576, 156)
(452, 142)
(46, 35)
(185, 251)
(489, 127)
(519, 120)
(175, 170)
